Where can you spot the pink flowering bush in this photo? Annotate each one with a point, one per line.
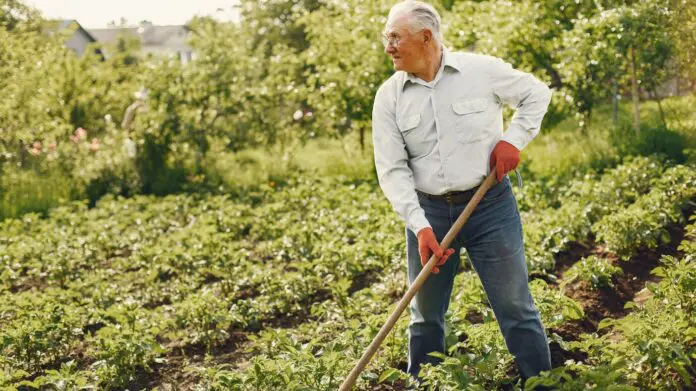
(101, 164)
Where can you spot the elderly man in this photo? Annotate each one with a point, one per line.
(437, 132)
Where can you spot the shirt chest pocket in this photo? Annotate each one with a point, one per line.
(415, 135)
(471, 119)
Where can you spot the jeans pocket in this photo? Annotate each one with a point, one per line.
(498, 191)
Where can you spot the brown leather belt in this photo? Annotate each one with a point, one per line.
(452, 197)
(461, 197)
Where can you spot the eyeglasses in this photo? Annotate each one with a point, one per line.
(393, 40)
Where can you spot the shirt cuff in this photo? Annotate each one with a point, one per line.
(417, 221)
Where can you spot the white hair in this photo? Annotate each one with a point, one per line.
(421, 16)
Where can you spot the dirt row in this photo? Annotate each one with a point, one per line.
(597, 304)
(171, 374)
(607, 302)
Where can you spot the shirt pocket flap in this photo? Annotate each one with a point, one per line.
(468, 106)
(408, 122)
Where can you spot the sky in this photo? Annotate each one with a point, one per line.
(97, 13)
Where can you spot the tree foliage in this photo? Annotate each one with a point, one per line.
(291, 70)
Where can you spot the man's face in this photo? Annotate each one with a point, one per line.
(405, 48)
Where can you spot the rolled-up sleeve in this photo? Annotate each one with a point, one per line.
(526, 93)
(391, 161)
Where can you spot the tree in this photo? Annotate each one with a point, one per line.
(347, 64)
(525, 33)
(627, 44)
(683, 33)
(14, 14)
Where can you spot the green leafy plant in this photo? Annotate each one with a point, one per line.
(596, 271)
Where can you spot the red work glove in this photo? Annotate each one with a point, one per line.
(427, 245)
(505, 158)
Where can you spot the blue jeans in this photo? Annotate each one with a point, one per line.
(492, 238)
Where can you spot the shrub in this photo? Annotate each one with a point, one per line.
(652, 140)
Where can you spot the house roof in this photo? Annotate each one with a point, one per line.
(56, 25)
(149, 35)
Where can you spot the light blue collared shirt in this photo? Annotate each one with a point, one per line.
(437, 136)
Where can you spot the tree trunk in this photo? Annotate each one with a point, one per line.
(22, 154)
(129, 115)
(556, 81)
(615, 103)
(659, 105)
(586, 116)
(362, 139)
(198, 165)
(634, 92)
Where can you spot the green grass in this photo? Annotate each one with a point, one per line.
(26, 191)
(561, 151)
(319, 157)
(564, 149)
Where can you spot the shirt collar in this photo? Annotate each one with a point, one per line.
(448, 60)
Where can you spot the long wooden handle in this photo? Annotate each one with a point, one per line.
(417, 283)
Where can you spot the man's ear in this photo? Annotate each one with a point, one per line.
(427, 35)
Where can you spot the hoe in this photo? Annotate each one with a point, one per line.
(417, 283)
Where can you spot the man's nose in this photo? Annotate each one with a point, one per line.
(389, 49)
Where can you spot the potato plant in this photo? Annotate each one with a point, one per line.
(643, 222)
(133, 281)
(596, 271)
